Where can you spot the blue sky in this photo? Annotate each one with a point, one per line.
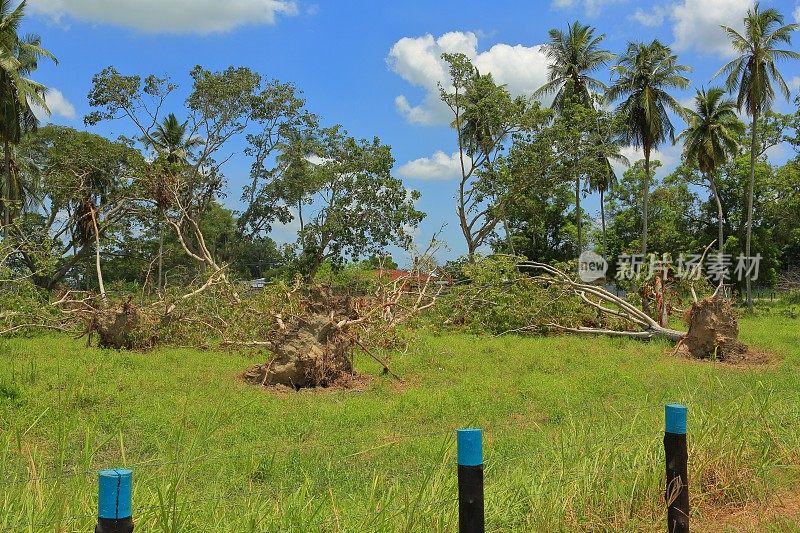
(370, 66)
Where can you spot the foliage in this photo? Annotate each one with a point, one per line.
(363, 208)
(643, 77)
(485, 115)
(497, 298)
(573, 56)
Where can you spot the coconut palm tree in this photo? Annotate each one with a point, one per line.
(573, 55)
(751, 75)
(607, 147)
(643, 77)
(710, 140)
(19, 57)
(171, 142)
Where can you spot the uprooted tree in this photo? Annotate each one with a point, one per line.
(713, 326)
(314, 346)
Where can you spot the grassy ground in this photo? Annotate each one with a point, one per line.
(573, 430)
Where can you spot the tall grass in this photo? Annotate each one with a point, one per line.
(572, 427)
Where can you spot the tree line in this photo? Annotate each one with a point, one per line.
(525, 167)
(83, 211)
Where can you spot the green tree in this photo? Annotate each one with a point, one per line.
(673, 203)
(606, 146)
(86, 181)
(752, 75)
(171, 141)
(710, 141)
(485, 115)
(19, 57)
(643, 77)
(361, 207)
(573, 56)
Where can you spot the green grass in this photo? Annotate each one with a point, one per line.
(573, 430)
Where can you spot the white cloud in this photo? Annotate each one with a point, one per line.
(169, 16)
(794, 84)
(797, 13)
(58, 105)
(439, 166)
(590, 7)
(418, 61)
(669, 156)
(651, 18)
(696, 24)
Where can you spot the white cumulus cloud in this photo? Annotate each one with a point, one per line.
(418, 61)
(439, 166)
(652, 17)
(169, 16)
(696, 24)
(669, 156)
(590, 7)
(58, 105)
(797, 13)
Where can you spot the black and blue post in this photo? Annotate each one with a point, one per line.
(677, 457)
(115, 488)
(470, 480)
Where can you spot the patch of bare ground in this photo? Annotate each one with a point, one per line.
(748, 359)
(779, 513)
(350, 382)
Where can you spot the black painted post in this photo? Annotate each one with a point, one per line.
(470, 481)
(677, 456)
(114, 501)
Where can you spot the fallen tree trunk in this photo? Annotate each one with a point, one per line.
(713, 326)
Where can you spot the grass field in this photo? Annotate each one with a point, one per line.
(573, 431)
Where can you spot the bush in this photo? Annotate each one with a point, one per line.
(497, 298)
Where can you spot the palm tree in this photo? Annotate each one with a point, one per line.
(169, 139)
(19, 57)
(643, 77)
(752, 75)
(171, 142)
(710, 139)
(607, 147)
(573, 56)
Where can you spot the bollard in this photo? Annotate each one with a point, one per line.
(114, 501)
(470, 480)
(677, 456)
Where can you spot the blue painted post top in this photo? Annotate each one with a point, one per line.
(470, 446)
(114, 499)
(675, 418)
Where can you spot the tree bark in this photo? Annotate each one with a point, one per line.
(645, 197)
(720, 216)
(603, 219)
(97, 254)
(7, 202)
(750, 187)
(578, 212)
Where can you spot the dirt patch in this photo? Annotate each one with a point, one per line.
(349, 383)
(713, 333)
(754, 517)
